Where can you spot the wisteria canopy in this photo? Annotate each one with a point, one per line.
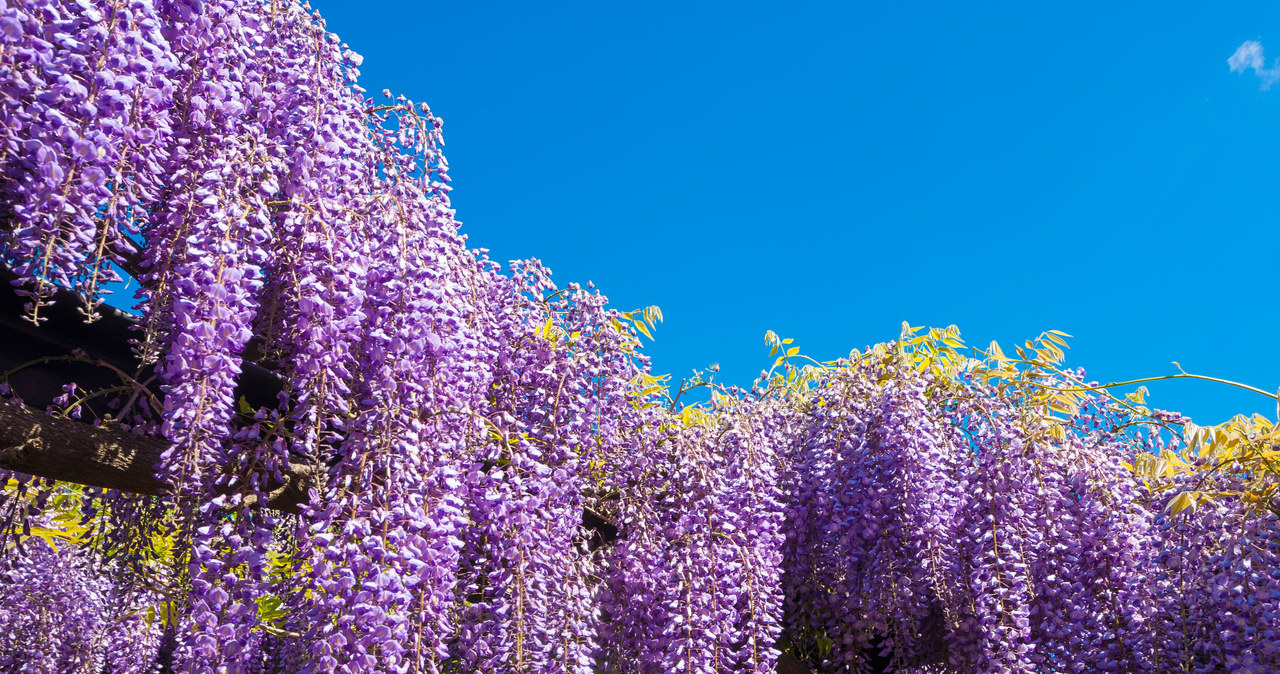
(457, 466)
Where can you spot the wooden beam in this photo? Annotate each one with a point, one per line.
(71, 451)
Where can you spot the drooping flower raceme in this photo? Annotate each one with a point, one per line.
(63, 615)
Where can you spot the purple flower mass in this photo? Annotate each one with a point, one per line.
(465, 424)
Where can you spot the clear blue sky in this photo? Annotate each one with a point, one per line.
(828, 170)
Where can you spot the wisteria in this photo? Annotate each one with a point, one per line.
(486, 474)
(63, 614)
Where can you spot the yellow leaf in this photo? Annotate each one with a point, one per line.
(640, 326)
(1181, 502)
(1159, 467)
(793, 351)
(1063, 407)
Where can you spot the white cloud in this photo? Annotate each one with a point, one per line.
(1249, 55)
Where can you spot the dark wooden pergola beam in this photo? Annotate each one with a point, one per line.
(64, 449)
(67, 450)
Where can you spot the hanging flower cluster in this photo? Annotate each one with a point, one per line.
(63, 615)
(942, 525)
(694, 582)
(494, 481)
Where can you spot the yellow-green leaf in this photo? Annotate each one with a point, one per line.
(1181, 502)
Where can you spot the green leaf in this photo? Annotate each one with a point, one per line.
(824, 645)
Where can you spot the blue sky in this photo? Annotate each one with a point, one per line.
(829, 170)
